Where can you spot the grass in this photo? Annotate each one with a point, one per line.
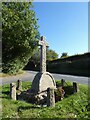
(72, 106)
(9, 75)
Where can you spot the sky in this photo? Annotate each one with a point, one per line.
(65, 25)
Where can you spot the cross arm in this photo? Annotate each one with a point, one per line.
(41, 43)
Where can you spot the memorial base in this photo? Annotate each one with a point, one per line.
(38, 92)
(41, 82)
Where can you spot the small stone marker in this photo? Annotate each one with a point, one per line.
(50, 97)
(62, 82)
(13, 91)
(75, 87)
(19, 85)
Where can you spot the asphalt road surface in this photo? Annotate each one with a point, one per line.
(29, 76)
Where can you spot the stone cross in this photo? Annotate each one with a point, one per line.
(43, 45)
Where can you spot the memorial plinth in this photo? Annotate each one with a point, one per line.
(42, 81)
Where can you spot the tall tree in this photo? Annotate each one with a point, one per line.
(19, 35)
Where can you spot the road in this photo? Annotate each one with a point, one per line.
(29, 76)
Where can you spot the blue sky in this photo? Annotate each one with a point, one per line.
(64, 24)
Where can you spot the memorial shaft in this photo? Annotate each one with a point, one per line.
(43, 59)
(43, 45)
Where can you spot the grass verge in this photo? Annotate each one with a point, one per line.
(10, 75)
(72, 106)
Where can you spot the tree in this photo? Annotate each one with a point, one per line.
(19, 35)
(51, 55)
(64, 55)
(34, 62)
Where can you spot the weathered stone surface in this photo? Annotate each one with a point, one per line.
(50, 97)
(40, 99)
(13, 91)
(43, 45)
(42, 81)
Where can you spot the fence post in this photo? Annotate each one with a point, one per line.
(62, 82)
(13, 91)
(75, 87)
(50, 97)
(19, 85)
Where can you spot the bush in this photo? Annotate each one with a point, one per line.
(59, 94)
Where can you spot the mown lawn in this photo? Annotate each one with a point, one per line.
(72, 106)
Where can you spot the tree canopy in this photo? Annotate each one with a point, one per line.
(34, 62)
(19, 35)
(51, 55)
(64, 55)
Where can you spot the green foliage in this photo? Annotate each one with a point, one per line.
(26, 85)
(36, 57)
(34, 62)
(51, 55)
(19, 35)
(64, 55)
